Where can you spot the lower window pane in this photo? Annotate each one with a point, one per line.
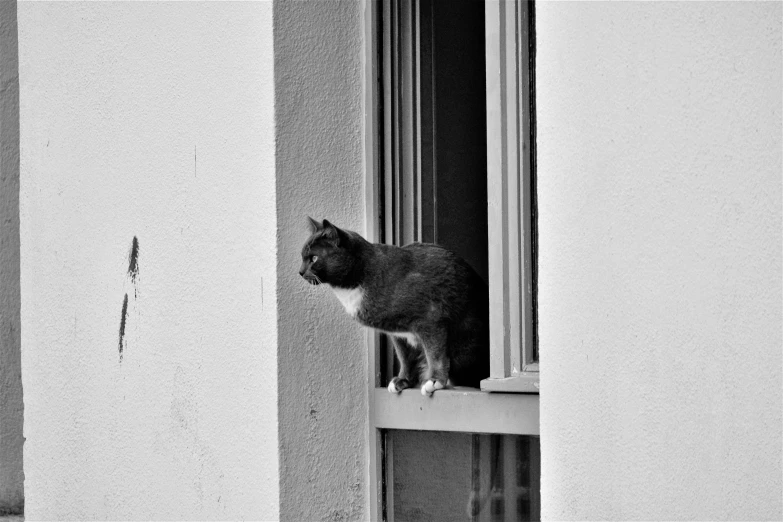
(449, 476)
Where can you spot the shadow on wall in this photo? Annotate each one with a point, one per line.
(11, 404)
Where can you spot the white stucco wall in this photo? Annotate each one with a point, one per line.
(322, 356)
(152, 120)
(11, 405)
(659, 186)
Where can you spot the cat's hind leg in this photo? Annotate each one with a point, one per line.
(436, 353)
(408, 356)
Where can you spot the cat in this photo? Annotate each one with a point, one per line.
(429, 301)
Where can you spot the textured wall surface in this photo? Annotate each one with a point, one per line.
(659, 171)
(11, 406)
(154, 121)
(321, 357)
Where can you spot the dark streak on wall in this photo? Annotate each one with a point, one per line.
(133, 260)
(123, 318)
(133, 274)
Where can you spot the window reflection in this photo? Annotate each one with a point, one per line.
(453, 476)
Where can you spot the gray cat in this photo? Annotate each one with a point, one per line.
(431, 303)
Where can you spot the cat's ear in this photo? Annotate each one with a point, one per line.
(331, 232)
(315, 226)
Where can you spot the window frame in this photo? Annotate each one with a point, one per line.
(513, 368)
(510, 41)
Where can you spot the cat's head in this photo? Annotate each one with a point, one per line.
(328, 255)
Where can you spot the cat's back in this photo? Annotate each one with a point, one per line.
(415, 258)
(441, 262)
(428, 268)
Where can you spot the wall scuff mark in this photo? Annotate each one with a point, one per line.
(133, 274)
(123, 318)
(133, 260)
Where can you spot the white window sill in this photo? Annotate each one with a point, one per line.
(523, 382)
(457, 409)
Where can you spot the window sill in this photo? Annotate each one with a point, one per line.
(523, 382)
(458, 409)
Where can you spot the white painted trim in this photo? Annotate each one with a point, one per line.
(508, 189)
(523, 382)
(460, 409)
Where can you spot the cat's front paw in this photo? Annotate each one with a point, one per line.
(430, 387)
(396, 385)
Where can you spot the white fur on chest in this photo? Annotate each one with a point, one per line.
(351, 298)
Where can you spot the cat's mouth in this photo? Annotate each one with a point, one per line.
(312, 280)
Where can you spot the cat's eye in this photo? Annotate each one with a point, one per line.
(313, 259)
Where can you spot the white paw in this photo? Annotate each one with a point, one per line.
(430, 387)
(396, 385)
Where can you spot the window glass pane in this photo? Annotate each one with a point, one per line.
(450, 476)
(460, 130)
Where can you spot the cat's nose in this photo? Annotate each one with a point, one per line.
(302, 270)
